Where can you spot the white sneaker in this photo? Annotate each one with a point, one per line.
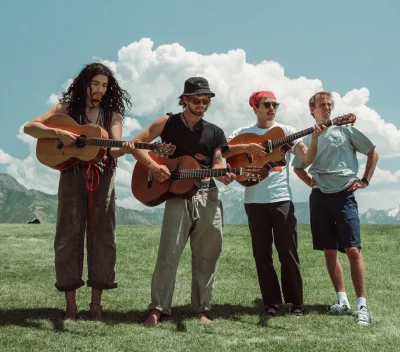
(363, 316)
(339, 308)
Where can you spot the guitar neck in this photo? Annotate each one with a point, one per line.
(288, 139)
(111, 143)
(202, 173)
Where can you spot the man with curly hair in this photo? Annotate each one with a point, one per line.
(93, 97)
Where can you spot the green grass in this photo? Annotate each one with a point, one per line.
(31, 309)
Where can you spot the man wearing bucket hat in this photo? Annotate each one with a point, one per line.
(270, 211)
(198, 219)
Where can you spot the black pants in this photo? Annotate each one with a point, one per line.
(275, 222)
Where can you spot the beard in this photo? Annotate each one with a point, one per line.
(198, 112)
(95, 100)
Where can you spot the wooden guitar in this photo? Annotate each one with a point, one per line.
(184, 181)
(276, 144)
(90, 146)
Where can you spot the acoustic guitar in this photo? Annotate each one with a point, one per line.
(90, 146)
(184, 181)
(276, 144)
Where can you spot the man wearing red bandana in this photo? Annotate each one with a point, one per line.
(270, 211)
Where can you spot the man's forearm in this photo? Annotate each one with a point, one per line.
(311, 151)
(303, 175)
(371, 164)
(143, 157)
(235, 150)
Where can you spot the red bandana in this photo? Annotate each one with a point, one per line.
(256, 97)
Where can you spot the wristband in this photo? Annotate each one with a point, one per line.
(365, 181)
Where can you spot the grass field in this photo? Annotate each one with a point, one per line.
(31, 309)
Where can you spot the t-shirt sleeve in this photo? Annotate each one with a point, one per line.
(235, 133)
(220, 141)
(359, 141)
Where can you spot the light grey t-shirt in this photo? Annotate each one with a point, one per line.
(275, 188)
(335, 165)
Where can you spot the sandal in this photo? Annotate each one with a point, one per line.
(272, 310)
(297, 311)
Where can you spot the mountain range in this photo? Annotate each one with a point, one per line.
(20, 205)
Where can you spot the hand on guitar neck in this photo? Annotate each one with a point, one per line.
(228, 177)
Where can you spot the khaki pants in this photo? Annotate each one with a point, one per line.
(76, 214)
(199, 218)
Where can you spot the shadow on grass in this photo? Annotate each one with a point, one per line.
(30, 317)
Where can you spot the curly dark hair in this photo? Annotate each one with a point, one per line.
(114, 100)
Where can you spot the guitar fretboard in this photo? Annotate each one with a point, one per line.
(200, 173)
(111, 143)
(285, 140)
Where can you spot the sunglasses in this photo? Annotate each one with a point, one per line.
(268, 104)
(197, 101)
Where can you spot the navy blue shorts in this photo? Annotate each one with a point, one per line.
(334, 220)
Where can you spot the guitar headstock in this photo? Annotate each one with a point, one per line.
(255, 173)
(162, 149)
(348, 119)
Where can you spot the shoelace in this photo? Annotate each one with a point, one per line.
(363, 314)
(338, 308)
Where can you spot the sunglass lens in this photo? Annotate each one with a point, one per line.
(268, 104)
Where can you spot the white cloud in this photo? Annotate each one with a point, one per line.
(53, 99)
(130, 125)
(155, 77)
(4, 157)
(383, 177)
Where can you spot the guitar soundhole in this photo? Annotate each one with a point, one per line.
(80, 142)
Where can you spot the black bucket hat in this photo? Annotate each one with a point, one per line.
(196, 86)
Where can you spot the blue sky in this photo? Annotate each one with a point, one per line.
(345, 46)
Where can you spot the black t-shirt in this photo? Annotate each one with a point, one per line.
(200, 143)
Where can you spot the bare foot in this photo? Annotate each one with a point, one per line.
(71, 310)
(203, 319)
(95, 311)
(152, 319)
(70, 313)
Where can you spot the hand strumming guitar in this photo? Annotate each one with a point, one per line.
(160, 172)
(67, 138)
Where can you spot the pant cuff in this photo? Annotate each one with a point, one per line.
(200, 309)
(159, 308)
(71, 287)
(100, 285)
